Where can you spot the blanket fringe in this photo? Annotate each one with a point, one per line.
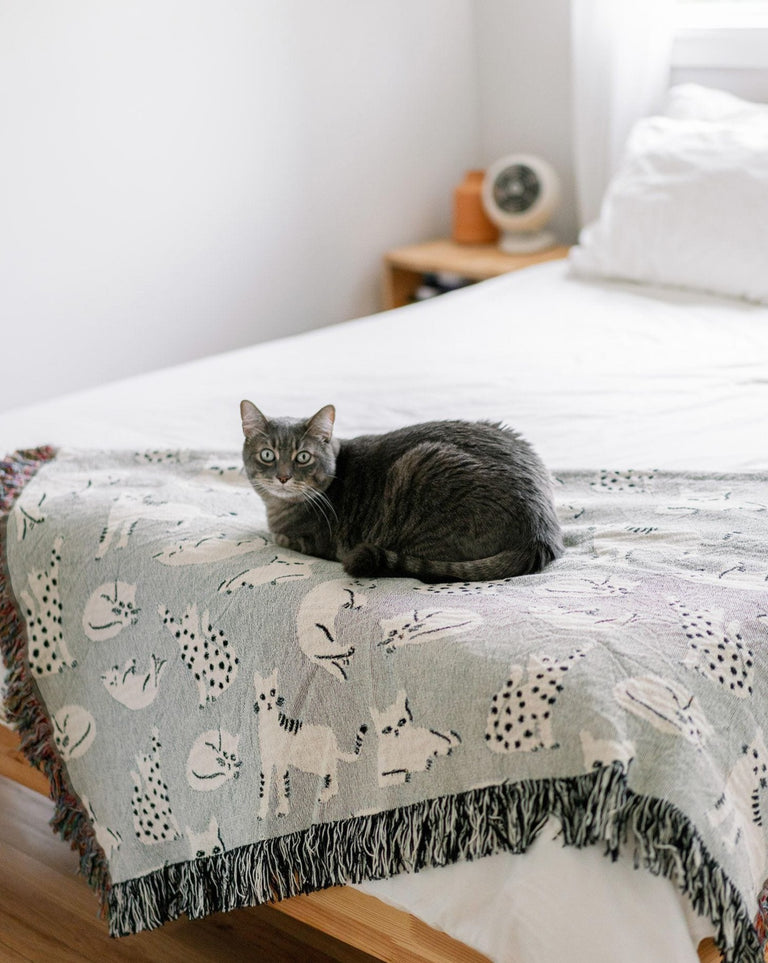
(24, 709)
(595, 808)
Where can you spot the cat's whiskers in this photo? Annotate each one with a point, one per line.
(322, 497)
(320, 503)
(310, 497)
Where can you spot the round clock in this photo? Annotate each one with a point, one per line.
(520, 194)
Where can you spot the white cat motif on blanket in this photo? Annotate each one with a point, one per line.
(135, 689)
(286, 743)
(129, 509)
(738, 813)
(74, 730)
(425, 625)
(206, 843)
(110, 609)
(316, 623)
(213, 760)
(666, 705)
(280, 569)
(405, 748)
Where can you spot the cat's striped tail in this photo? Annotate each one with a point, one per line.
(366, 561)
(351, 756)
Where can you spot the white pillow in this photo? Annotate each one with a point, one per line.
(694, 102)
(687, 208)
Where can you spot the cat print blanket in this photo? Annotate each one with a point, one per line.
(226, 722)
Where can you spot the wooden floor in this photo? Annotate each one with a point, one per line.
(47, 912)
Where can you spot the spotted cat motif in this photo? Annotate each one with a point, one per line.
(520, 718)
(716, 650)
(48, 652)
(624, 481)
(153, 819)
(161, 456)
(205, 651)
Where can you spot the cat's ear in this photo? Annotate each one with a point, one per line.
(254, 423)
(321, 425)
(402, 704)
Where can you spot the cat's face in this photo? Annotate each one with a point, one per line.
(286, 458)
(267, 696)
(394, 719)
(207, 843)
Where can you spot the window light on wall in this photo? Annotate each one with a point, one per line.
(721, 13)
(721, 33)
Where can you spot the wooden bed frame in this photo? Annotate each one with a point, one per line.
(352, 917)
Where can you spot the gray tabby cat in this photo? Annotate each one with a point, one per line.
(442, 501)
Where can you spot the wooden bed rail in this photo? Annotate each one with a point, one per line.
(14, 765)
(352, 917)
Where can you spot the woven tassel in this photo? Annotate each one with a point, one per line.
(23, 705)
(592, 808)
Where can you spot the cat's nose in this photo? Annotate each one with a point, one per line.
(283, 478)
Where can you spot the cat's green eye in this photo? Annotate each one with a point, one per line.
(303, 458)
(267, 456)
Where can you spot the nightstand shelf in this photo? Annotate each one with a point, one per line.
(405, 267)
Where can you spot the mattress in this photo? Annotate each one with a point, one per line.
(595, 376)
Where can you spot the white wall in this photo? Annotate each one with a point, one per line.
(180, 177)
(524, 78)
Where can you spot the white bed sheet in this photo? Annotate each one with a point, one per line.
(595, 375)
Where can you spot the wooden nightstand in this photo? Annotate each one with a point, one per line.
(404, 267)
